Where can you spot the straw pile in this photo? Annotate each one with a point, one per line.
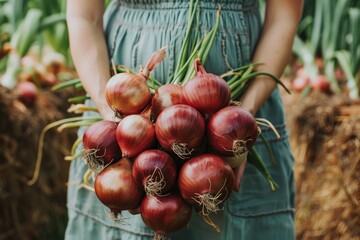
(325, 137)
(38, 211)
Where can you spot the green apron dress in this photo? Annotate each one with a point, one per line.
(134, 30)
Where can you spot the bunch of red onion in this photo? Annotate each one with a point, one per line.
(171, 147)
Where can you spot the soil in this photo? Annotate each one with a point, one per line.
(325, 138)
(37, 211)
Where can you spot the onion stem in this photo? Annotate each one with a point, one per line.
(81, 108)
(78, 99)
(33, 180)
(258, 162)
(186, 42)
(267, 123)
(273, 160)
(76, 124)
(178, 77)
(66, 84)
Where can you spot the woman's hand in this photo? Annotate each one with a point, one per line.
(105, 111)
(273, 49)
(89, 50)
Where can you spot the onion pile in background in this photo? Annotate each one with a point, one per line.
(167, 162)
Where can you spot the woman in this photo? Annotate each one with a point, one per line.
(133, 29)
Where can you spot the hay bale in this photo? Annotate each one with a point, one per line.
(38, 211)
(325, 136)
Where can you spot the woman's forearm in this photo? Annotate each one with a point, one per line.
(88, 49)
(273, 49)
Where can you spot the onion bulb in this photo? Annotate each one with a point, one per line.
(128, 93)
(165, 96)
(232, 131)
(180, 129)
(155, 171)
(134, 134)
(165, 214)
(205, 182)
(100, 144)
(320, 83)
(206, 92)
(115, 188)
(27, 92)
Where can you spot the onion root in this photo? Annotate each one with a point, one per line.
(181, 150)
(153, 185)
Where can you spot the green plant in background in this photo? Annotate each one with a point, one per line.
(329, 32)
(349, 58)
(22, 21)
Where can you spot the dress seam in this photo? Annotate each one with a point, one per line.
(94, 218)
(179, 26)
(263, 214)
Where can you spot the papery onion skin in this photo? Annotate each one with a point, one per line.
(127, 93)
(206, 92)
(156, 166)
(100, 139)
(180, 124)
(165, 96)
(165, 214)
(231, 124)
(205, 174)
(115, 187)
(134, 134)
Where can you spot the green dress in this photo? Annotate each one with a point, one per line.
(134, 30)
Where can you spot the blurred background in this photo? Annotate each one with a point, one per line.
(323, 115)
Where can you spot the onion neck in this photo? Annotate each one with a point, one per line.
(199, 69)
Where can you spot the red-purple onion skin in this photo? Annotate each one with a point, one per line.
(180, 124)
(134, 134)
(27, 92)
(116, 188)
(230, 124)
(101, 137)
(165, 214)
(127, 93)
(165, 96)
(206, 92)
(154, 160)
(203, 174)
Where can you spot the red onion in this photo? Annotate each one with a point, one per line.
(300, 83)
(155, 171)
(134, 134)
(206, 92)
(205, 182)
(27, 92)
(180, 129)
(165, 214)
(100, 144)
(320, 83)
(128, 93)
(116, 188)
(232, 131)
(165, 96)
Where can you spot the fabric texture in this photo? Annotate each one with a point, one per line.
(134, 30)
